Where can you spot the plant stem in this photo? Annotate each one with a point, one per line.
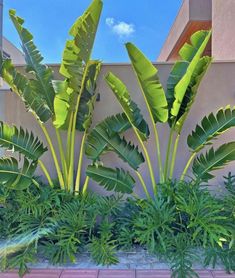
(187, 166)
(36, 183)
(60, 176)
(155, 134)
(62, 155)
(85, 185)
(45, 173)
(78, 178)
(158, 153)
(148, 161)
(68, 146)
(168, 152)
(143, 184)
(73, 132)
(174, 156)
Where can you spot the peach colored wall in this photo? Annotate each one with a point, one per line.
(216, 90)
(223, 22)
(175, 32)
(190, 11)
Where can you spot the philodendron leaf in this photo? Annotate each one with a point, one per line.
(210, 127)
(203, 165)
(129, 107)
(42, 83)
(20, 140)
(111, 179)
(12, 176)
(151, 86)
(96, 145)
(190, 95)
(103, 136)
(182, 72)
(22, 86)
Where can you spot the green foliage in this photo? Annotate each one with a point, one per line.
(205, 218)
(213, 160)
(153, 224)
(103, 247)
(230, 183)
(150, 83)
(24, 88)
(14, 177)
(42, 83)
(226, 256)
(68, 103)
(117, 180)
(20, 140)
(174, 107)
(96, 145)
(182, 72)
(211, 127)
(130, 108)
(182, 257)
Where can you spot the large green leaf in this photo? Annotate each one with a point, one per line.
(88, 97)
(74, 63)
(78, 50)
(103, 137)
(190, 95)
(213, 160)
(21, 140)
(22, 86)
(65, 99)
(14, 177)
(150, 84)
(42, 84)
(129, 107)
(96, 145)
(182, 72)
(112, 179)
(211, 126)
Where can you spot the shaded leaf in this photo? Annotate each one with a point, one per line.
(211, 126)
(96, 145)
(21, 140)
(22, 86)
(126, 151)
(129, 107)
(203, 165)
(14, 177)
(112, 179)
(43, 75)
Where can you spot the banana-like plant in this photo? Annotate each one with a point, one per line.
(68, 104)
(172, 106)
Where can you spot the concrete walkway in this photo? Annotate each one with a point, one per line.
(89, 273)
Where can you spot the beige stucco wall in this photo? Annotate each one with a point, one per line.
(216, 90)
(16, 55)
(223, 22)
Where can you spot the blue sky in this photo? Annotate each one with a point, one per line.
(146, 23)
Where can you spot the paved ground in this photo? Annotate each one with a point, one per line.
(102, 273)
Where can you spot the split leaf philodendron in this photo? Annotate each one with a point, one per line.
(172, 106)
(67, 103)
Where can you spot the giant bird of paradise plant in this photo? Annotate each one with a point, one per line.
(68, 104)
(172, 106)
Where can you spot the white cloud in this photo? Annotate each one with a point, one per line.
(109, 21)
(122, 29)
